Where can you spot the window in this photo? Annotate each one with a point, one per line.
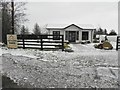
(85, 35)
(66, 35)
(56, 35)
(77, 35)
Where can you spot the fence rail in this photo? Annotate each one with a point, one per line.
(118, 43)
(41, 41)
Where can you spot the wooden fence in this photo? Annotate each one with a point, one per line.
(41, 42)
(118, 43)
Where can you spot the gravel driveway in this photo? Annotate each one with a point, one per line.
(86, 67)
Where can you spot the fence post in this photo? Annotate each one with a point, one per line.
(23, 41)
(41, 42)
(62, 43)
(117, 43)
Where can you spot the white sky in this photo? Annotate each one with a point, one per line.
(103, 14)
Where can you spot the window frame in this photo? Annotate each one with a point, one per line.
(77, 35)
(87, 34)
(66, 35)
(56, 36)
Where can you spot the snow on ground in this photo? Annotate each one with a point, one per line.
(86, 67)
(0, 51)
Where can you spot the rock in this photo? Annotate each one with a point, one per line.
(107, 45)
(100, 46)
(76, 63)
(66, 45)
(63, 63)
(68, 50)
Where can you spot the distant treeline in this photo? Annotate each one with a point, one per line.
(101, 31)
(37, 30)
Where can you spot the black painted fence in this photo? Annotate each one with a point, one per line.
(118, 43)
(41, 42)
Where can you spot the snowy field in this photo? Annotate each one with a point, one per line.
(86, 67)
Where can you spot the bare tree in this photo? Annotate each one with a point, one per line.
(19, 12)
(6, 21)
(19, 16)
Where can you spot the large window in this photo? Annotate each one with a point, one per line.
(85, 35)
(77, 32)
(71, 34)
(56, 35)
(66, 35)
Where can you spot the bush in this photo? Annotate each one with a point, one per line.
(83, 42)
(96, 46)
(112, 32)
(87, 41)
(102, 41)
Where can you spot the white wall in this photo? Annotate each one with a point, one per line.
(112, 38)
(72, 28)
(61, 32)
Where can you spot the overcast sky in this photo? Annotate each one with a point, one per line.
(99, 14)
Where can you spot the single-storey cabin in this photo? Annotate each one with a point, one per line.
(72, 33)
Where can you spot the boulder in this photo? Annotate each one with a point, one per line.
(66, 45)
(100, 46)
(107, 45)
(104, 45)
(68, 50)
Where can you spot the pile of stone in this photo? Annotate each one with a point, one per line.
(104, 45)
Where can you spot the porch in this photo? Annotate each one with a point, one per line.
(76, 36)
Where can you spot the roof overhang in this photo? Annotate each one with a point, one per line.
(65, 27)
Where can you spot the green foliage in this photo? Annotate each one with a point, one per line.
(100, 31)
(96, 46)
(112, 32)
(36, 30)
(24, 30)
(105, 31)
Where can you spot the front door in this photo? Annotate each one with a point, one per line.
(72, 35)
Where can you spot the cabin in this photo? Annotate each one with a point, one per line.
(72, 33)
